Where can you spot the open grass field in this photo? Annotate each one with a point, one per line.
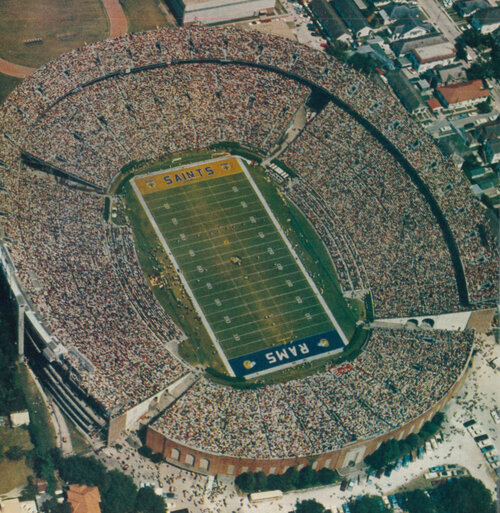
(7, 85)
(238, 267)
(61, 25)
(144, 14)
(14, 473)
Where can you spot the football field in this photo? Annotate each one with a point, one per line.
(256, 300)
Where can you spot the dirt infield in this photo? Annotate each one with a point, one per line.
(117, 27)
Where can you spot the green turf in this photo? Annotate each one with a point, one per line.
(60, 25)
(144, 14)
(7, 85)
(263, 302)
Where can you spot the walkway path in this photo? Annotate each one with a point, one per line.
(117, 18)
(117, 27)
(14, 70)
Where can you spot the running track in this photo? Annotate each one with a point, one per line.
(117, 27)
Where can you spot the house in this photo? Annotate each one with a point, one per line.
(435, 105)
(408, 29)
(333, 26)
(395, 11)
(84, 499)
(405, 46)
(489, 131)
(492, 151)
(450, 74)
(352, 17)
(467, 8)
(20, 418)
(406, 92)
(429, 57)
(487, 20)
(465, 94)
(375, 51)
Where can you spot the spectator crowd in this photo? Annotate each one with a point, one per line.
(142, 96)
(398, 377)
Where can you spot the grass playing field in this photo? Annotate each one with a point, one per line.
(246, 281)
(61, 26)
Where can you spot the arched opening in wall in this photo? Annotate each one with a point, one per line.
(204, 464)
(190, 460)
(427, 323)
(176, 454)
(411, 324)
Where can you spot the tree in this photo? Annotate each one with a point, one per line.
(461, 53)
(246, 482)
(15, 453)
(77, 469)
(465, 495)
(260, 480)
(386, 453)
(52, 506)
(327, 476)
(368, 504)
(148, 502)
(413, 441)
(118, 493)
(307, 477)
(470, 162)
(484, 107)
(362, 63)
(277, 482)
(472, 37)
(292, 477)
(417, 501)
(310, 506)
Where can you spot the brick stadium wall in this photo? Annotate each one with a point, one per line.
(199, 461)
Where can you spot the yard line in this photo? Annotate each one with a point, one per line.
(253, 282)
(305, 300)
(261, 226)
(230, 200)
(231, 251)
(190, 235)
(238, 326)
(230, 350)
(279, 295)
(224, 263)
(267, 241)
(187, 218)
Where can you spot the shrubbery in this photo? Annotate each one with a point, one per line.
(392, 450)
(292, 479)
(118, 491)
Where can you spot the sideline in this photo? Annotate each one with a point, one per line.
(118, 26)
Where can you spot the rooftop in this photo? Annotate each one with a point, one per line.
(329, 18)
(488, 16)
(84, 499)
(435, 52)
(457, 93)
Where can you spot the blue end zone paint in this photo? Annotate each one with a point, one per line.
(272, 358)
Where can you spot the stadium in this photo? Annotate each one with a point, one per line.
(148, 164)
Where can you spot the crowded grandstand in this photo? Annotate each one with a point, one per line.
(398, 220)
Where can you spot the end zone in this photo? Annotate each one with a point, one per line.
(285, 355)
